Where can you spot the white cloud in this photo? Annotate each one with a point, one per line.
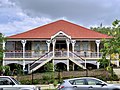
(20, 15)
(13, 20)
(21, 26)
(87, 12)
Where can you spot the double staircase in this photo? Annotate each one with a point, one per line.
(49, 56)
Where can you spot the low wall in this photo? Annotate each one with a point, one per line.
(113, 82)
(49, 86)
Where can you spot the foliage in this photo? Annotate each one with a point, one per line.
(60, 76)
(29, 82)
(55, 82)
(42, 78)
(5, 70)
(112, 31)
(48, 67)
(2, 39)
(104, 30)
(60, 67)
(18, 70)
(48, 78)
(111, 46)
(1, 47)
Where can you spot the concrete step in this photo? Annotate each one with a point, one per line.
(117, 71)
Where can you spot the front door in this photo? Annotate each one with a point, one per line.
(60, 48)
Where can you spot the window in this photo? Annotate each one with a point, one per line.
(78, 82)
(85, 45)
(5, 81)
(10, 46)
(18, 45)
(43, 46)
(16, 81)
(36, 47)
(93, 82)
(77, 46)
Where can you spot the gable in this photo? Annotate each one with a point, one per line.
(60, 34)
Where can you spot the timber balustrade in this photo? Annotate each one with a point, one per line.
(34, 54)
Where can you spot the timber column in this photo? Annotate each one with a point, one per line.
(23, 44)
(48, 44)
(98, 64)
(73, 45)
(53, 42)
(68, 42)
(98, 45)
(73, 50)
(3, 53)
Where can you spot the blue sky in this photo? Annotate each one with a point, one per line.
(17, 16)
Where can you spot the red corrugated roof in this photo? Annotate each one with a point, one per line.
(48, 30)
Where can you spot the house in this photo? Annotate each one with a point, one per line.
(65, 44)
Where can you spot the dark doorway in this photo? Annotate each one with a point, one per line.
(91, 66)
(15, 68)
(61, 45)
(60, 67)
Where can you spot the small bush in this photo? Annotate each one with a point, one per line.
(55, 82)
(48, 77)
(48, 67)
(28, 82)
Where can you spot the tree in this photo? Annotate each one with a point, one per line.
(111, 46)
(2, 39)
(104, 30)
(1, 48)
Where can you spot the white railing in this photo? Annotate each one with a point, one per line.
(60, 53)
(19, 54)
(90, 54)
(47, 55)
(81, 54)
(31, 54)
(76, 57)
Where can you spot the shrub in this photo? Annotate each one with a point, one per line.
(55, 82)
(29, 82)
(48, 67)
(48, 77)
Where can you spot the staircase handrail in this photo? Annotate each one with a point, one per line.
(41, 64)
(78, 56)
(84, 60)
(40, 58)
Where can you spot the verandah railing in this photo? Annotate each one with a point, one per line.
(32, 54)
(27, 54)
